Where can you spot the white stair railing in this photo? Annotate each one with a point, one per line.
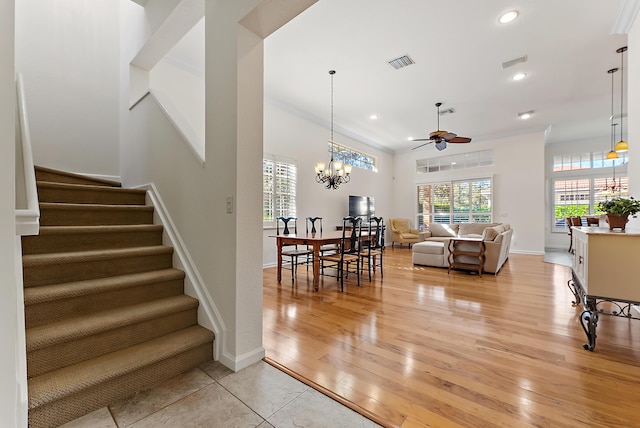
(27, 208)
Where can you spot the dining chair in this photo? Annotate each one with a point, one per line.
(348, 252)
(293, 251)
(593, 221)
(314, 225)
(374, 246)
(572, 221)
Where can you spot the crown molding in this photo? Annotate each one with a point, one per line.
(626, 16)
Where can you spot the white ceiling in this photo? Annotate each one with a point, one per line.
(458, 47)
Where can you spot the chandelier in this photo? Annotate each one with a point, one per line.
(334, 174)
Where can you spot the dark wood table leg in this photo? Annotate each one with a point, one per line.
(316, 266)
(279, 245)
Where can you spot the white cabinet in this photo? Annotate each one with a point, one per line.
(604, 269)
(606, 263)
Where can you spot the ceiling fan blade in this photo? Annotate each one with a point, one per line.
(422, 145)
(447, 136)
(422, 139)
(459, 140)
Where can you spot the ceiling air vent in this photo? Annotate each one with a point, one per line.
(513, 62)
(400, 62)
(449, 110)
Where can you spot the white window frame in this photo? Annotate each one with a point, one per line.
(353, 157)
(589, 166)
(452, 214)
(279, 194)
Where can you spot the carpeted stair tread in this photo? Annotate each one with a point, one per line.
(52, 239)
(52, 292)
(52, 268)
(72, 230)
(57, 384)
(88, 194)
(73, 328)
(69, 257)
(49, 174)
(63, 214)
(50, 303)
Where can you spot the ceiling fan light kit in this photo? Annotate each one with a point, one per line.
(440, 138)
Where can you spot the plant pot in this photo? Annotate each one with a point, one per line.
(617, 221)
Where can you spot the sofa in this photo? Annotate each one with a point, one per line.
(402, 233)
(434, 250)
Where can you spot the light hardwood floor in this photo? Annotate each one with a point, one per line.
(425, 348)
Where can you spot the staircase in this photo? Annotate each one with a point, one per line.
(105, 311)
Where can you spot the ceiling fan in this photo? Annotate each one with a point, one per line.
(441, 138)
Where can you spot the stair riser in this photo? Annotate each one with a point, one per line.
(109, 196)
(84, 348)
(77, 270)
(54, 177)
(73, 406)
(43, 244)
(57, 310)
(114, 216)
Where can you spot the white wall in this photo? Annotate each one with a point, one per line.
(67, 51)
(9, 386)
(185, 90)
(518, 184)
(633, 110)
(291, 136)
(218, 241)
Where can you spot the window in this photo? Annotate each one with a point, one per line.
(580, 196)
(582, 161)
(353, 157)
(457, 161)
(278, 189)
(455, 202)
(579, 184)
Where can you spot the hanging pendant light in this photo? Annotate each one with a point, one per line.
(334, 174)
(612, 153)
(621, 146)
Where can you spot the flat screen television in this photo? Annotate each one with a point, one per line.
(362, 206)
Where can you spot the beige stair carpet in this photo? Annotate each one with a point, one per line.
(105, 310)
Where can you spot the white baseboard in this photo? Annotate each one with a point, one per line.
(242, 361)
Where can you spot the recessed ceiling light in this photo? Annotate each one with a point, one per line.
(525, 114)
(410, 138)
(507, 17)
(519, 76)
(373, 117)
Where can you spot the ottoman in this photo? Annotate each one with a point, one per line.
(429, 253)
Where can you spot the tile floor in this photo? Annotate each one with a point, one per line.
(559, 257)
(213, 396)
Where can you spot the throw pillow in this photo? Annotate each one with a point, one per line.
(438, 229)
(490, 234)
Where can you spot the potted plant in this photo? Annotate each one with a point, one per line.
(618, 211)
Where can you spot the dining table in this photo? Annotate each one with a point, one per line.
(315, 241)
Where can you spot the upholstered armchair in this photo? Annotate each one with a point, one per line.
(402, 233)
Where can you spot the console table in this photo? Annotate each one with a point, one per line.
(604, 278)
(466, 253)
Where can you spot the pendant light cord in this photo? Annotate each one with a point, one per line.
(331, 73)
(621, 89)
